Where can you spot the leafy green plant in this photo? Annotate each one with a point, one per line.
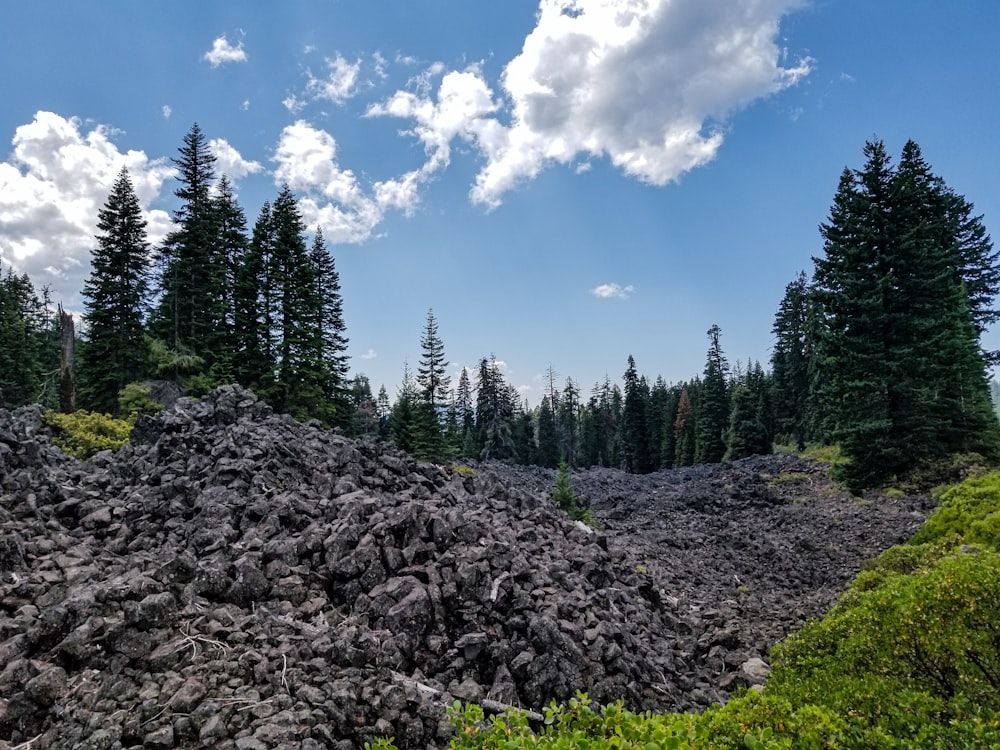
(970, 510)
(135, 399)
(84, 433)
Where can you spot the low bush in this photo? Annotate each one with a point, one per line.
(84, 433)
(970, 510)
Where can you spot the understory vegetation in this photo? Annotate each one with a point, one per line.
(908, 658)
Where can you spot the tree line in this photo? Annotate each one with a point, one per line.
(879, 351)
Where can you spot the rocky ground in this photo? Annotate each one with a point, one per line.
(234, 579)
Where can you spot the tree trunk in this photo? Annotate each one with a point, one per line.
(67, 379)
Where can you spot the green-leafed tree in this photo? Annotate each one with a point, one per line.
(904, 377)
(328, 357)
(403, 421)
(255, 304)
(29, 345)
(192, 268)
(548, 438)
(634, 427)
(494, 412)
(567, 422)
(300, 381)
(230, 251)
(115, 296)
(465, 413)
(790, 362)
(685, 430)
(713, 404)
(433, 384)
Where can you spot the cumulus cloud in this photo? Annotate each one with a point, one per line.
(648, 84)
(229, 161)
(612, 291)
(370, 354)
(332, 197)
(224, 52)
(167, 111)
(57, 177)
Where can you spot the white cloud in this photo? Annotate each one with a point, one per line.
(339, 85)
(245, 105)
(370, 354)
(612, 291)
(223, 52)
(464, 109)
(51, 187)
(229, 161)
(334, 199)
(648, 84)
(167, 111)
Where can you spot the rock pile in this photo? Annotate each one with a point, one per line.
(234, 579)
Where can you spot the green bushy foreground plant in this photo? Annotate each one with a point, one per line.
(84, 433)
(908, 658)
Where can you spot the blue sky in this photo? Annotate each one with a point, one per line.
(564, 183)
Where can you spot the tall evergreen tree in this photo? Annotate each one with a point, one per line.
(567, 420)
(300, 386)
(904, 376)
(28, 351)
(790, 361)
(494, 412)
(433, 389)
(713, 408)
(634, 430)
(115, 297)
(330, 362)
(255, 303)
(192, 270)
(685, 430)
(548, 436)
(230, 253)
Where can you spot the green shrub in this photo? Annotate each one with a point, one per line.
(84, 433)
(970, 510)
(135, 399)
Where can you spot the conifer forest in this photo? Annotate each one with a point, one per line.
(877, 348)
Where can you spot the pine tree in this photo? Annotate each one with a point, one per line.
(115, 294)
(465, 414)
(255, 310)
(567, 420)
(26, 364)
(713, 407)
(300, 386)
(548, 437)
(903, 374)
(635, 428)
(328, 348)
(685, 430)
(403, 424)
(230, 251)
(433, 390)
(494, 411)
(790, 362)
(192, 274)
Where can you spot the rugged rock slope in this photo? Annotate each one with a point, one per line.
(235, 579)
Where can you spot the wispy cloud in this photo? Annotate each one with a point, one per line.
(612, 291)
(167, 111)
(224, 52)
(370, 354)
(339, 84)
